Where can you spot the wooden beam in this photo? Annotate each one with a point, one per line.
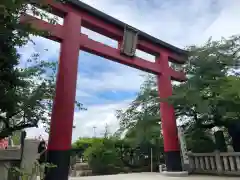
(177, 75)
(113, 32)
(113, 54)
(54, 31)
(100, 49)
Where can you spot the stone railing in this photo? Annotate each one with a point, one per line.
(215, 163)
(10, 154)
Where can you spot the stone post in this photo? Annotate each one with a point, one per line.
(218, 162)
(29, 157)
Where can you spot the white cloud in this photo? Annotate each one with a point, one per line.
(45, 47)
(97, 116)
(226, 24)
(121, 79)
(178, 22)
(100, 38)
(81, 93)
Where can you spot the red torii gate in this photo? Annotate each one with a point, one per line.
(76, 15)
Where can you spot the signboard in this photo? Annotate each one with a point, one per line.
(129, 44)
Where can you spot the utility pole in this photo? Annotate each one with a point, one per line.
(151, 159)
(94, 131)
(106, 133)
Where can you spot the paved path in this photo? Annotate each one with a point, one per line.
(152, 176)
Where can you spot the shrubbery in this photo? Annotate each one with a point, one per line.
(103, 158)
(112, 156)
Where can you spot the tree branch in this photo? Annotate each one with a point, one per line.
(207, 126)
(14, 114)
(6, 123)
(8, 131)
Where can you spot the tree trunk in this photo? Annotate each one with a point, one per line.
(235, 143)
(234, 132)
(220, 141)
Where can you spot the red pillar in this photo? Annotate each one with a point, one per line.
(169, 127)
(63, 106)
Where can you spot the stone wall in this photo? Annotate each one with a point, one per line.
(13, 157)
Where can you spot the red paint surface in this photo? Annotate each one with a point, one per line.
(113, 54)
(110, 30)
(3, 143)
(63, 107)
(97, 48)
(71, 41)
(168, 120)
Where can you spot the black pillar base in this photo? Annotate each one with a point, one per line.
(61, 159)
(173, 161)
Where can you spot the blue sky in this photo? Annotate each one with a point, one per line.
(104, 86)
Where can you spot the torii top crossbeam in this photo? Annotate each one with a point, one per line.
(120, 26)
(108, 26)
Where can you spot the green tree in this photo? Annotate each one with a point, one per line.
(140, 125)
(210, 97)
(25, 93)
(85, 142)
(16, 138)
(103, 157)
(144, 109)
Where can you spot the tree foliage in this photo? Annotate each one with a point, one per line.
(85, 142)
(109, 155)
(143, 111)
(26, 93)
(209, 98)
(103, 157)
(112, 155)
(211, 92)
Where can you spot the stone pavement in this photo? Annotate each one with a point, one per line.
(152, 176)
